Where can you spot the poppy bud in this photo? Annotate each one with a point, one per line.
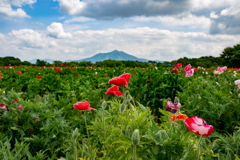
(122, 107)
(129, 97)
(104, 104)
(75, 134)
(127, 130)
(155, 150)
(162, 134)
(176, 100)
(135, 137)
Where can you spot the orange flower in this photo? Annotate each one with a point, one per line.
(178, 117)
(182, 116)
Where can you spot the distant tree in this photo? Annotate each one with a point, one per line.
(26, 63)
(41, 62)
(231, 56)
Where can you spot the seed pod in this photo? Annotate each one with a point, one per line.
(104, 104)
(135, 137)
(75, 134)
(122, 107)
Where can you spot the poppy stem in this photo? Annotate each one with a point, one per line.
(199, 143)
(85, 118)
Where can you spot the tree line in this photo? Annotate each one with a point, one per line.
(229, 57)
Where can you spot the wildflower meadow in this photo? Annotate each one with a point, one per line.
(92, 113)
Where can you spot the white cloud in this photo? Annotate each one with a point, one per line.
(213, 15)
(78, 19)
(72, 7)
(56, 30)
(30, 38)
(179, 20)
(20, 3)
(143, 42)
(232, 10)
(1, 36)
(7, 10)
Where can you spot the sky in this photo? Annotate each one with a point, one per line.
(162, 30)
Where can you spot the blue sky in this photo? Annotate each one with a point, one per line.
(155, 29)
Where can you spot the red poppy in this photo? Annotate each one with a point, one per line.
(15, 100)
(198, 126)
(36, 119)
(3, 106)
(195, 70)
(39, 77)
(179, 65)
(121, 80)
(114, 90)
(83, 106)
(1, 77)
(20, 108)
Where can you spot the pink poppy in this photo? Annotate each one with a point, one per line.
(121, 80)
(3, 106)
(189, 73)
(83, 106)
(36, 119)
(237, 82)
(172, 107)
(19, 72)
(20, 108)
(174, 70)
(199, 126)
(114, 90)
(187, 68)
(179, 65)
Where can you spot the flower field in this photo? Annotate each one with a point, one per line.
(87, 113)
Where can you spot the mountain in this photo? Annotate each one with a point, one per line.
(114, 55)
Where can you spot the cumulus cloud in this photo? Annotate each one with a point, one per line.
(110, 9)
(56, 30)
(143, 42)
(213, 15)
(7, 10)
(30, 38)
(189, 20)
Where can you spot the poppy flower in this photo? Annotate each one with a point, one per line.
(187, 68)
(83, 106)
(20, 108)
(121, 80)
(199, 126)
(39, 77)
(1, 77)
(174, 70)
(114, 90)
(237, 82)
(189, 73)
(179, 65)
(36, 119)
(172, 107)
(195, 70)
(178, 117)
(19, 72)
(3, 106)
(15, 100)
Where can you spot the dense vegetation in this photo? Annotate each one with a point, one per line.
(39, 120)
